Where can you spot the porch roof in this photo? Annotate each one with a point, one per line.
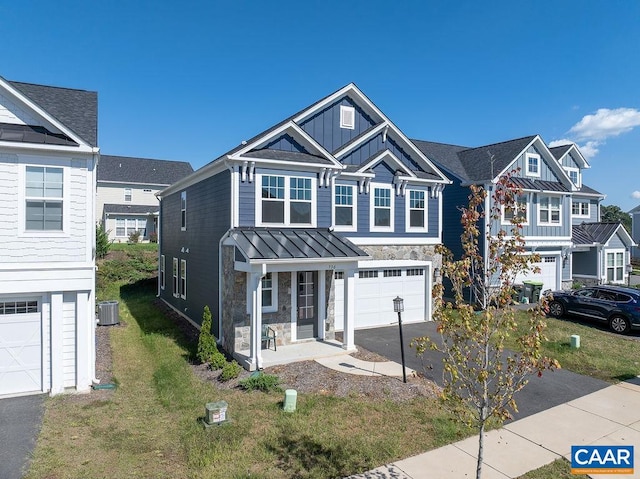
(131, 209)
(293, 243)
(593, 233)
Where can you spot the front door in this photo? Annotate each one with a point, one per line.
(307, 305)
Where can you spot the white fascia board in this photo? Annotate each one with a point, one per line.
(125, 183)
(382, 157)
(361, 140)
(397, 263)
(42, 113)
(357, 175)
(574, 148)
(578, 194)
(415, 179)
(299, 165)
(197, 176)
(38, 148)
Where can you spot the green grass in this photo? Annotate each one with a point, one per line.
(150, 425)
(604, 355)
(558, 469)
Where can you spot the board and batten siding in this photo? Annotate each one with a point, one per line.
(546, 173)
(569, 162)
(69, 339)
(593, 211)
(376, 145)
(324, 126)
(208, 219)
(16, 246)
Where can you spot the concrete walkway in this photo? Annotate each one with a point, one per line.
(351, 365)
(610, 416)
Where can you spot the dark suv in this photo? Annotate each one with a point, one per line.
(619, 307)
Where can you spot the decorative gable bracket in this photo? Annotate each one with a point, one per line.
(436, 190)
(246, 171)
(363, 185)
(326, 176)
(400, 185)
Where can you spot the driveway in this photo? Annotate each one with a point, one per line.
(20, 422)
(541, 393)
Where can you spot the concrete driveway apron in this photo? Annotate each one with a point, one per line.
(20, 423)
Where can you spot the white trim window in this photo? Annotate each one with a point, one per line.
(381, 208)
(344, 208)
(549, 211)
(574, 175)
(532, 164)
(270, 293)
(183, 211)
(416, 210)
(127, 226)
(183, 278)
(520, 210)
(285, 200)
(127, 195)
(615, 266)
(347, 117)
(44, 198)
(175, 278)
(580, 208)
(162, 271)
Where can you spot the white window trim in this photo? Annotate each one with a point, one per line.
(354, 210)
(580, 215)
(163, 272)
(344, 112)
(183, 278)
(506, 222)
(549, 223)
(615, 252)
(526, 162)
(183, 211)
(125, 219)
(407, 213)
(372, 207)
(287, 201)
(22, 206)
(130, 195)
(274, 295)
(176, 273)
(569, 169)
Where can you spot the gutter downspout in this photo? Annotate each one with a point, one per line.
(159, 244)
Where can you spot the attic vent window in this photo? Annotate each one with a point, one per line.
(347, 117)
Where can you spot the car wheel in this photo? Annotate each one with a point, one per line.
(619, 324)
(556, 309)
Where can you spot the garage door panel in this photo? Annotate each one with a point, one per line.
(20, 353)
(548, 273)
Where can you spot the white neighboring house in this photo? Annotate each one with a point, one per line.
(48, 157)
(127, 188)
(635, 231)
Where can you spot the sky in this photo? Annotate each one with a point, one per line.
(189, 80)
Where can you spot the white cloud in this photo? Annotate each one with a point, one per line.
(562, 142)
(589, 149)
(635, 194)
(606, 123)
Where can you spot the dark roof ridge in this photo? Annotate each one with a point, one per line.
(441, 143)
(502, 142)
(13, 82)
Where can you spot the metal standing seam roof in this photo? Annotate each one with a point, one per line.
(292, 243)
(538, 185)
(593, 233)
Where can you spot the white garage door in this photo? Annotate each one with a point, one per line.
(548, 273)
(375, 291)
(20, 347)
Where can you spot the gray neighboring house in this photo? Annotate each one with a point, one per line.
(635, 231)
(126, 193)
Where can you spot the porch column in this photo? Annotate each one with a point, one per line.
(85, 323)
(255, 352)
(57, 368)
(349, 310)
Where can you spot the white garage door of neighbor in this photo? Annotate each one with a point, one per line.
(548, 273)
(375, 291)
(20, 347)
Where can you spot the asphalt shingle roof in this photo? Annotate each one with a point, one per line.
(559, 151)
(76, 109)
(590, 233)
(130, 209)
(125, 169)
(588, 190)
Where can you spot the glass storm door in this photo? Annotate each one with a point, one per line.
(307, 305)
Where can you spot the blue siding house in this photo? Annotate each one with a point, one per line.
(561, 213)
(311, 227)
(635, 231)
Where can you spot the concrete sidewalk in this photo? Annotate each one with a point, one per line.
(351, 365)
(610, 416)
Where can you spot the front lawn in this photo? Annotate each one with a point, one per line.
(149, 427)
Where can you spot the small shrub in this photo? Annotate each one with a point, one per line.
(102, 241)
(261, 382)
(207, 347)
(217, 360)
(230, 371)
(153, 237)
(134, 237)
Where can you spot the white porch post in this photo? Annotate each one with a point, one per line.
(322, 310)
(84, 335)
(349, 310)
(57, 373)
(255, 354)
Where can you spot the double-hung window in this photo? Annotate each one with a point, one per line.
(519, 210)
(44, 199)
(176, 291)
(344, 208)
(416, 207)
(270, 292)
(580, 208)
(574, 175)
(615, 266)
(128, 226)
(532, 162)
(549, 210)
(183, 211)
(183, 278)
(381, 209)
(127, 195)
(286, 200)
